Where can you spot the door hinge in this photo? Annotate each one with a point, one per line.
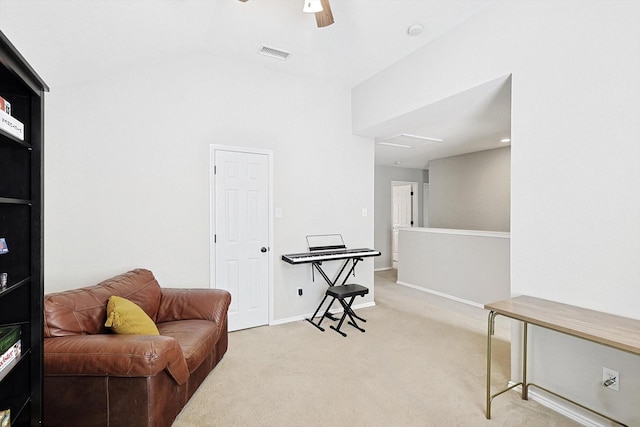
(215, 238)
(215, 169)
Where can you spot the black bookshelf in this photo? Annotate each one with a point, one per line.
(21, 224)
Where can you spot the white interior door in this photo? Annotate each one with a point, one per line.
(402, 214)
(241, 234)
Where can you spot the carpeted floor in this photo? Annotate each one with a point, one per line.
(421, 362)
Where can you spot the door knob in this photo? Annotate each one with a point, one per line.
(263, 249)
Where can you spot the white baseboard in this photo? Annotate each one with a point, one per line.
(383, 269)
(440, 294)
(563, 407)
(308, 315)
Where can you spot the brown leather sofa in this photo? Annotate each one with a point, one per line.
(93, 377)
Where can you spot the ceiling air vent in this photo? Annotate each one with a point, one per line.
(274, 53)
(407, 140)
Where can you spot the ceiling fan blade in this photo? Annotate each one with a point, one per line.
(324, 18)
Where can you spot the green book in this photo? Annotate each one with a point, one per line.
(9, 335)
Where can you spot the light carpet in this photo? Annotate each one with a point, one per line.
(421, 362)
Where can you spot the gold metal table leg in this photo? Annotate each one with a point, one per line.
(490, 397)
(489, 333)
(525, 388)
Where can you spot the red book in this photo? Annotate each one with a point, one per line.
(5, 105)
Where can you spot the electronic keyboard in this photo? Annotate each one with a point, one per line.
(320, 256)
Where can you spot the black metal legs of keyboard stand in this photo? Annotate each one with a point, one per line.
(345, 294)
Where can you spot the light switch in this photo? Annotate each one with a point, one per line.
(364, 211)
(278, 212)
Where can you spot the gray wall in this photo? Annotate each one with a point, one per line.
(471, 191)
(469, 266)
(384, 175)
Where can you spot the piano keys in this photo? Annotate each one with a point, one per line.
(319, 256)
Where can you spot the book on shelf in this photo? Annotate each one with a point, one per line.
(10, 346)
(5, 105)
(9, 335)
(5, 418)
(10, 355)
(11, 125)
(3, 246)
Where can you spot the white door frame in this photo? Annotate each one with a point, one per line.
(212, 211)
(414, 210)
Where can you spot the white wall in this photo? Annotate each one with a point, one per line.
(575, 189)
(471, 191)
(127, 171)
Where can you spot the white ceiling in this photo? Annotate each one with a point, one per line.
(71, 40)
(474, 120)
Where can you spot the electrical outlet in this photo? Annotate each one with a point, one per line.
(299, 292)
(611, 378)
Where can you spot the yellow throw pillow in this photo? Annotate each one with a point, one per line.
(126, 317)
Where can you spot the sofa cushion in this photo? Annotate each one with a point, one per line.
(197, 338)
(126, 317)
(83, 311)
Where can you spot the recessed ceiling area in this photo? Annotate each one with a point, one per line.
(477, 119)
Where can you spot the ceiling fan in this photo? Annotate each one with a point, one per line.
(320, 8)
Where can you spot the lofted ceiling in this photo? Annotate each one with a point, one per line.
(72, 40)
(76, 38)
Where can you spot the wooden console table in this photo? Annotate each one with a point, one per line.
(618, 332)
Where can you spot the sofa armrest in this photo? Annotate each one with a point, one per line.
(114, 355)
(184, 304)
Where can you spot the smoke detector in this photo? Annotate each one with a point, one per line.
(415, 29)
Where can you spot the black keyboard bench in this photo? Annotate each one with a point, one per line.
(345, 294)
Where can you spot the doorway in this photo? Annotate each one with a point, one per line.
(404, 212)
(241, 232)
